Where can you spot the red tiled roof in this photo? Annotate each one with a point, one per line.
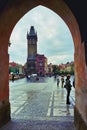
(13, 64)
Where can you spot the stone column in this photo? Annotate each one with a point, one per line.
(80, 111)
(4, 84)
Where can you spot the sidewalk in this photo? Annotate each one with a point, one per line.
(59, 115)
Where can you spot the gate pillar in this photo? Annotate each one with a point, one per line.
(4, 84)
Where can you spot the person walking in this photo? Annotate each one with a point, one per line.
(62, 81)
(12, 77)
(74, 82)
(58, 81)
(68, 88)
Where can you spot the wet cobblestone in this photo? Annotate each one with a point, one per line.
(43, 109)
(39, 125)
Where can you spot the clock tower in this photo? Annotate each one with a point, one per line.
(31, 50)
(31, 42)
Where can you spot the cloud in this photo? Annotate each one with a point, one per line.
(58, 59)
(54, 38)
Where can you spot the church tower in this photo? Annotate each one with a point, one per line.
(31, 50)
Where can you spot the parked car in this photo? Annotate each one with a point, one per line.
(35, 77)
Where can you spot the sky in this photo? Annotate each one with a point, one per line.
(54, 37)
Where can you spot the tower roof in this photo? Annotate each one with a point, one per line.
(32, 33)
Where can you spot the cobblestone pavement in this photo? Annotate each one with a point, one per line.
(39, 125)
(42, 110)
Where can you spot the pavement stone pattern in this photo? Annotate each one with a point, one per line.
(52, 113)
(64, 120)
(38, 125)
(48, 105)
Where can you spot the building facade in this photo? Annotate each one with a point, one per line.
(50, 69)
(41, 65)
(15, 68)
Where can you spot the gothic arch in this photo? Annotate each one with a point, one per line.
(11, 13)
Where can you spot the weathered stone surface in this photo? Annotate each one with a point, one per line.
(79, 121)
(4, 114)
(10, 14)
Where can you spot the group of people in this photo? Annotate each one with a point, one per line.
(66, 84)
(58, 81)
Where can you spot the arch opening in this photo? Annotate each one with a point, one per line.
(47, 36)
(7, 26)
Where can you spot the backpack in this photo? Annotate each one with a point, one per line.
(68, 85)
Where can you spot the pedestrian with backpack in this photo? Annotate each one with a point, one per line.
(68, 88)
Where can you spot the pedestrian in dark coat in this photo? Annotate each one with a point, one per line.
(58, 81)
(68, 88)
(12, 77)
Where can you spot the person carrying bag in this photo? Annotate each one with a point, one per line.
(68, 88)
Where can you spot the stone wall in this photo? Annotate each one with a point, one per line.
(4, 113)
(10, 13)
(79, 121)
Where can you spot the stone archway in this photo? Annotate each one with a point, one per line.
(9, 16)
